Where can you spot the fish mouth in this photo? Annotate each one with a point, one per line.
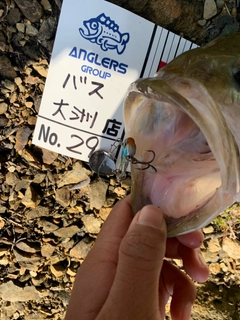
(194, 175)
(88, 32)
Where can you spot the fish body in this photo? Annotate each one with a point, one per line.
(189, 116)
(104, 32)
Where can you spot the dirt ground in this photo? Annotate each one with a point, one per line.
(46, 230)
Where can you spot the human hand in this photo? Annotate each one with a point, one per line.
(125, 275)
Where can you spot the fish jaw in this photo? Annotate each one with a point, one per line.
(199, 217)
(192, 185)
(90, 33)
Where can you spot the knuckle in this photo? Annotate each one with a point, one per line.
(141, 245)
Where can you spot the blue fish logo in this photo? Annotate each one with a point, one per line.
(104, 32)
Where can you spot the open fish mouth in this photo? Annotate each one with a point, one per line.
(88, 32)
(196, 157)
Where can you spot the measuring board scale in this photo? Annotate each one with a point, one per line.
(165, 47)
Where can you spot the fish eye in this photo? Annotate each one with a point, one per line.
(94, 25)
(236, 75)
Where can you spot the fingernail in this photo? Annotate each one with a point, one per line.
(151, 216)
(186, 314)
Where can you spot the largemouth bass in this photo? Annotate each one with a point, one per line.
(188, 116)
(104, 32)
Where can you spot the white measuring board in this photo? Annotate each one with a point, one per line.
(99, 50)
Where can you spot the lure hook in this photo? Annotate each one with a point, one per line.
(148, 163)
(103, 162)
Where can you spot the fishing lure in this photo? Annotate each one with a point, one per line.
(104, 163)
(127, 155)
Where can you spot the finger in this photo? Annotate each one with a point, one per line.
(139, 265)
(96, 274)
(194, 263)
(191, 240)
(176, 283)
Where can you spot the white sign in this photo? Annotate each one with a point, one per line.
(99, 50)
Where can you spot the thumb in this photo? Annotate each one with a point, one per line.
(141, 253)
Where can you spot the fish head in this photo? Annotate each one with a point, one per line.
(92, 28)
(185, 124)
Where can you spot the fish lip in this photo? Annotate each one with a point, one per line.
(173, 225)
(87, 31)
(195, 219)
(85, 34)
(81, 30)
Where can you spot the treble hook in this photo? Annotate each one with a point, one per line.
(127, 156)
(148, 163)
(104, 163)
